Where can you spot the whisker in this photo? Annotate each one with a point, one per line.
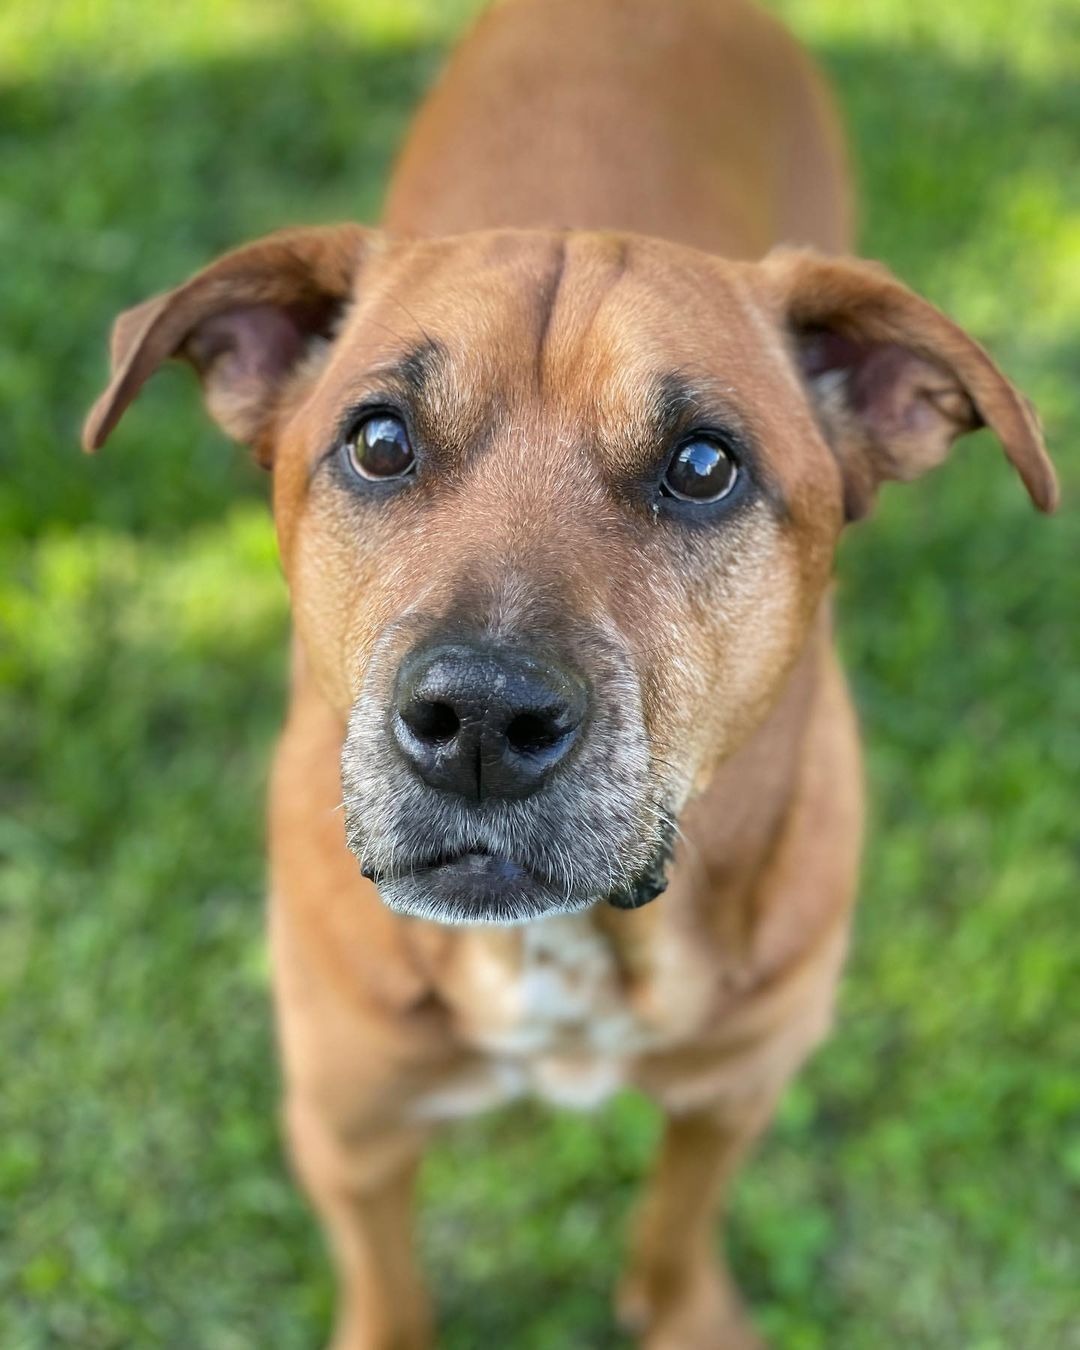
(402, 305)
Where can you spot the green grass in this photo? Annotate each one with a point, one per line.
(916, 1190)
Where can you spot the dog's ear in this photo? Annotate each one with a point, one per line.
(244, 323)
(893, 381)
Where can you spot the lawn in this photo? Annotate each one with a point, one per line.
(919, 1188)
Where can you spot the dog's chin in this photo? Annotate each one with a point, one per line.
(484, 888)
(475, 888)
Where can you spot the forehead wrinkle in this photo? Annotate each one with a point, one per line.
(549, 294)
(593, 266)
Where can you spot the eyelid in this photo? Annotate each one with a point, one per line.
(371, 406)
(364, 407)
(731, 441)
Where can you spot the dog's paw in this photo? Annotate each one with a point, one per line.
(693, 1311)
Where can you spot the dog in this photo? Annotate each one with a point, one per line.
(561, 455)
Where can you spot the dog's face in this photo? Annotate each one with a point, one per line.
(553, 536)
(557, 512)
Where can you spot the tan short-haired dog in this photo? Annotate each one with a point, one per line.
(560, 459)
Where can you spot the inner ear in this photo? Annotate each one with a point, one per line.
(887, 410)
(243, 354)
(892, 380)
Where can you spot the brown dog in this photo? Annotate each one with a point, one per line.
(557, 505)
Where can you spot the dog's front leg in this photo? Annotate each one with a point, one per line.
(676, 1293)
(361, 1183)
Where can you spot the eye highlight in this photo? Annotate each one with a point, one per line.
(378, 448)
(701, 470)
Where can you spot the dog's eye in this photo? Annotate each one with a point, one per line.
(702, 469)
(378, 448)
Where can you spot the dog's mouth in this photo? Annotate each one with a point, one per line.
(471, 885)
(475, 885)
(459, 862)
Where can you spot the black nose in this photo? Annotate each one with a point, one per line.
(485, 721)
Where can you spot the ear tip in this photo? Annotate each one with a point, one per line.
(1048, 496)
(96, 428)
(1041, 481)
(1039, 475)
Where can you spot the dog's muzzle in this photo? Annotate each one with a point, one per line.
(495, 785)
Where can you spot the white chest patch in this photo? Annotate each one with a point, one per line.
(551, 1017)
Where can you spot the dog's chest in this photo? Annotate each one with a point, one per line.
(553, 1011)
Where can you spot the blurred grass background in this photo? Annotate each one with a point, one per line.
(919, 1185)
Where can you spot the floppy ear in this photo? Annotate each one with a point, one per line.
(244, 323)
(894, 382)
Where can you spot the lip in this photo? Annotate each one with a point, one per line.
(485, 869)
(473, 887)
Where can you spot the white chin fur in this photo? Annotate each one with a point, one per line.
(419, 899)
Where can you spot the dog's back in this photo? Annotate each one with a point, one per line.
(699, 121)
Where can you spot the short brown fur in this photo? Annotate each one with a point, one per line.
(540, 267)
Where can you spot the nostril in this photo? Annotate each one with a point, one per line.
(432, 722)
(485, 722)
(530, 733)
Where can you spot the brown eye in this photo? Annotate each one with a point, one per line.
(379, 448)
(700, 470)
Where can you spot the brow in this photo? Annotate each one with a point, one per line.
(676, 405)
(414, 378)
(416, 370)
(672, 406)
(449, 413)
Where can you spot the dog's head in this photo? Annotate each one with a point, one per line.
(557, 512)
